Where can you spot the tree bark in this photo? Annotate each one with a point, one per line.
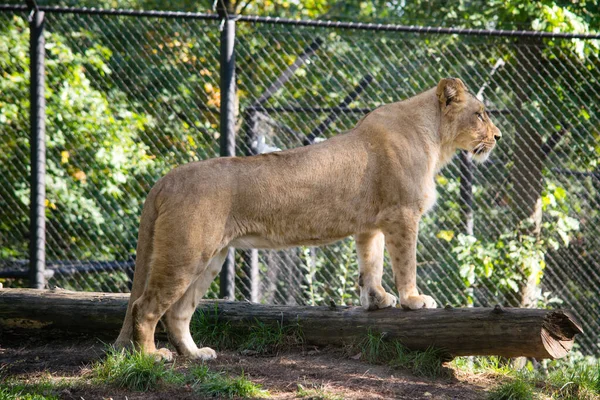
(527, 172)
(508, 332)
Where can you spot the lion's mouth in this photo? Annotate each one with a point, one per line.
(481, 152)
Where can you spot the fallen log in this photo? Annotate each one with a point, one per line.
(507, 332)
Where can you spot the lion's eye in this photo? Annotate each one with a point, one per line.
(480, 116)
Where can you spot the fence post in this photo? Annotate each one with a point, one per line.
(227, 114)
(37, 144)
(250, 280)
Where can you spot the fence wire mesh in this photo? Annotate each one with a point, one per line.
(130, 98)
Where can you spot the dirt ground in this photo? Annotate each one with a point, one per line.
(30, 357)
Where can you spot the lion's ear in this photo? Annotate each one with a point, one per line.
(450, 90)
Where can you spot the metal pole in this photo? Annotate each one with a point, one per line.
(227, 139)
(37, 144)
(250, 279)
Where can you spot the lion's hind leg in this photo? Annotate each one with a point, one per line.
(178, 317)
(174, 268)
(142, 266)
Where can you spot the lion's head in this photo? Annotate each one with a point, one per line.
(465, 122)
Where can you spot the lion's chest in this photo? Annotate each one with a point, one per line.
(428, 197)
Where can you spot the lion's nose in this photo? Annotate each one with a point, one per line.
(497, 135)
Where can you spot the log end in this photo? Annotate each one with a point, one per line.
(558, 332)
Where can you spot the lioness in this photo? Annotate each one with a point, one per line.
(374, 182)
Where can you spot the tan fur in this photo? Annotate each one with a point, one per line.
(374, 182)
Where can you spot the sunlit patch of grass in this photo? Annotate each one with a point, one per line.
(516, 389)
(375, 349)
(490, 365)
(316, 393)
(573, 378)
(43, 390)
(217, 384)
(133, 370)
(578, 381)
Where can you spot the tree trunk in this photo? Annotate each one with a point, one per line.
(527, 178)
(462, 331)
(528, 184)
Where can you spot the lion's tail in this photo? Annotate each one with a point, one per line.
(143, 259)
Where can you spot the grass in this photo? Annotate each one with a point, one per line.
(43, 390)
(265, 339)
(489, 365)
(316, 393)
(217, 384)
(572, 378)
(517, 389)
(579, 380)
(23, 393)
(207, 328)
(133, 370)
(375, 349)
(10, 394)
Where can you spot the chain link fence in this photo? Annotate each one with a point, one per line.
(130, 97)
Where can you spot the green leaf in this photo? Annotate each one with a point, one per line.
(445, 235)
(560, 193)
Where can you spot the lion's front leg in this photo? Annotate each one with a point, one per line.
(401, 243)
(369, 247)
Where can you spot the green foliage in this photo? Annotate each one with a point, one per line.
(94, 156)
(546, 15)
(133, 370)
(517, 389)
(504, 265)
(217, 384)
(326, 280)
(376, 349)
(102, 148)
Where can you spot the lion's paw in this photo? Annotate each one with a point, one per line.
(370, 301)
(417, 302)
(163, 355)
(122, 344)
(204, 354)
